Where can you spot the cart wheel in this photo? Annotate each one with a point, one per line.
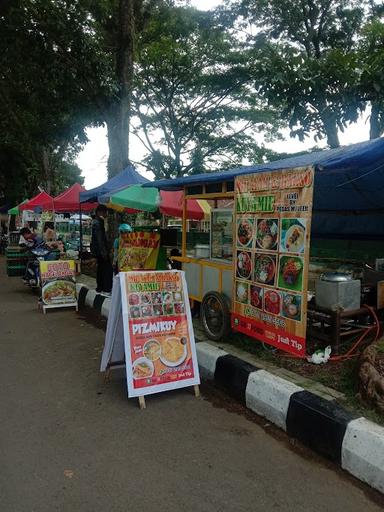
(215, 315)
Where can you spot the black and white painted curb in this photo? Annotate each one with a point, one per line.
(354, 443)
(87, 297)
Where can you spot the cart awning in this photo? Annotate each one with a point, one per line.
(349, 178)
(348, 197)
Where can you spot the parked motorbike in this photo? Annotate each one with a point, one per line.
(32, 273)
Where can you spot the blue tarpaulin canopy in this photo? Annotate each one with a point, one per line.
(129, 176)
(348, 191)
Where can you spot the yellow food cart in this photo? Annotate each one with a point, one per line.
(258, 284)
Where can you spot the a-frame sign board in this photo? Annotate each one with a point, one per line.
(150, 331)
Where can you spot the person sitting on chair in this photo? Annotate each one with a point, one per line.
(28, 239)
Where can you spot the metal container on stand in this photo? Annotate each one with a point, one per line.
(335, 290)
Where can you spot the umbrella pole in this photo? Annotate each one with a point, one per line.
(184, 231)
(81, 229)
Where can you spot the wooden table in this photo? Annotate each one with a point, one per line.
(332, 327)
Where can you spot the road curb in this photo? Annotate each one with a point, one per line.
(354, 443)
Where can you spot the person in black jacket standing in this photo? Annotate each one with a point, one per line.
(99, 248)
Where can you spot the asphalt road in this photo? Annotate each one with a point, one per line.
(69, 442)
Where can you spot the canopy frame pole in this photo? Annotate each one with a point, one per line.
(184, 229)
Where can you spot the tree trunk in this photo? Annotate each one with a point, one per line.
(375, 128)
(117, 142)
(47, 170)
(118, 124)
(330, 128)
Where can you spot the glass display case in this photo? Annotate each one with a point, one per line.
(221, 243)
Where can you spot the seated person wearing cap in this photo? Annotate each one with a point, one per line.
(123, 228)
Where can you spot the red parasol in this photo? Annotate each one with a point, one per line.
(171, 203)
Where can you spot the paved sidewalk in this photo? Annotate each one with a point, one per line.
(69, 442)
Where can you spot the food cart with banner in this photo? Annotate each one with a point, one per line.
(252, 275)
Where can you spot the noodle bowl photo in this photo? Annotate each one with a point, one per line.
(59, 291)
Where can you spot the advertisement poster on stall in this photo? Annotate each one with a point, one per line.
(159, 341)
(138, 251)
(273, 225)
(58, 283)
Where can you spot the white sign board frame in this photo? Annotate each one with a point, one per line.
(119, 324)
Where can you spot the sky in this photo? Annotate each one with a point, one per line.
(93, 158)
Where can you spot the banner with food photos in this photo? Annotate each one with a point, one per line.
(160, 348)
(138, 250)
(58, 282)
(273, 212)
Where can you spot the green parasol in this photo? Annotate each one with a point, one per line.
(137, 198)
(15, 210)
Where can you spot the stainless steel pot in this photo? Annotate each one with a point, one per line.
(335, 277)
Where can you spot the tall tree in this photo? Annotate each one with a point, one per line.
(113, 24)
(43, 110)
(371, 60)
(117, 24)
(193, 99)
(305, 60)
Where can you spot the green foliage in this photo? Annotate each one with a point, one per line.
(318, 95)
(43, 108)
(371, 59)
(314, 27)
(304, 59)
(203, 90)
(194, 102)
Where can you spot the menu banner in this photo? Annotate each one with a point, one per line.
(58, 283)
(138, 250)
(159, 341)
(273, 225)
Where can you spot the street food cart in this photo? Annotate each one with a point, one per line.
(252, 273)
